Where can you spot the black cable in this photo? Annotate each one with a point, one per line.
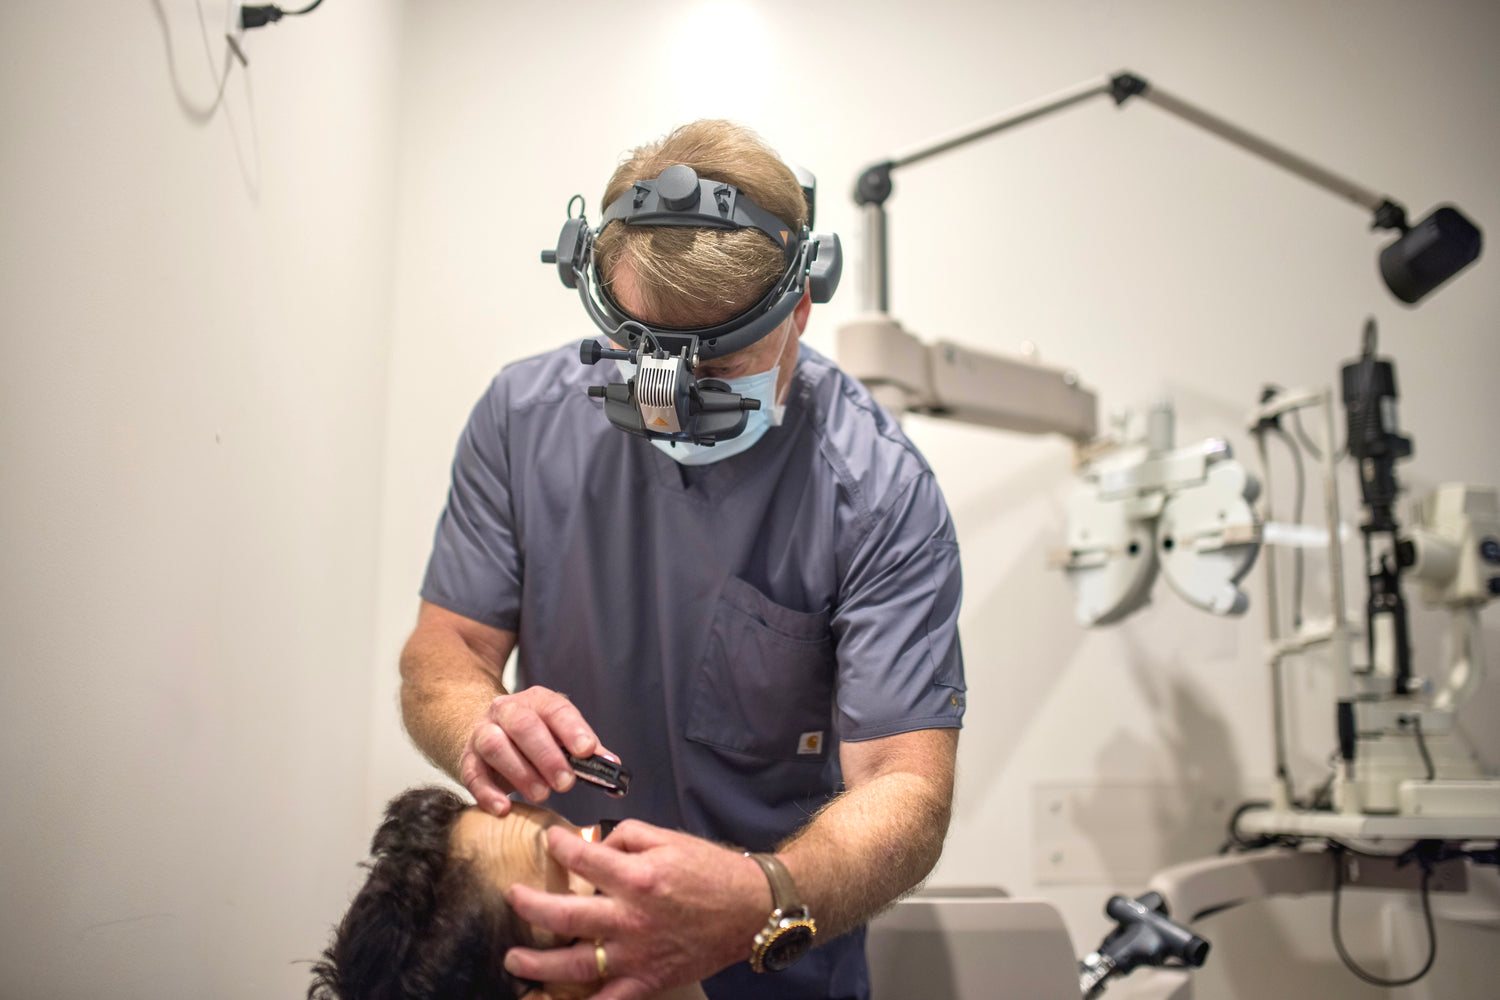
(1322, 800)
(1338, 851)
(1368, 668)
(1428, 854)
(257, 15)
(1416, 726)
(1236, 842)
(645, 334)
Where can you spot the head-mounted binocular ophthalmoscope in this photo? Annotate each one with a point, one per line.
(664, 399)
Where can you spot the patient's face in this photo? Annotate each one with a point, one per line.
(513, 848)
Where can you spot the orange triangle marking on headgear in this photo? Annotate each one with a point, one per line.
(658, 422)
(783, 235)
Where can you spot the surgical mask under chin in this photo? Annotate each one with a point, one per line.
(761, 386)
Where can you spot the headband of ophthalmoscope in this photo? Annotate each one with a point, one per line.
(678, 197)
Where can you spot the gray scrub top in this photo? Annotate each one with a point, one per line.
(721, 627)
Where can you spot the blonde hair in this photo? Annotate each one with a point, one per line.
(695, 277)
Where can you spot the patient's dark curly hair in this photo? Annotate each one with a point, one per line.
(425, 926)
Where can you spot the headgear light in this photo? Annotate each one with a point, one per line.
(664, 399)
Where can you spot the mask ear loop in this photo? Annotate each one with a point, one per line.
(778, 404)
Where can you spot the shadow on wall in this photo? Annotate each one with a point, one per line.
(1215, 416)
(1019, 634)
(200, 110)
(1186, 812)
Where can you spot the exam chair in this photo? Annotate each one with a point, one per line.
(971, 943)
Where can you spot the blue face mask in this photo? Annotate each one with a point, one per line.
(761, 386)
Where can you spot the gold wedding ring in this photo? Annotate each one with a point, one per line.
(600, 961)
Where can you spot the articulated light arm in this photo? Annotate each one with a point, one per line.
(1421, 259)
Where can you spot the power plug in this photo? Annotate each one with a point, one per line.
(257, 15)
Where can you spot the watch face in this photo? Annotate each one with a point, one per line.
(791, 944)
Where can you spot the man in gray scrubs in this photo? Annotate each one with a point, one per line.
(763, 630)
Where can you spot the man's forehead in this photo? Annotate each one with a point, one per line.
(625, 291)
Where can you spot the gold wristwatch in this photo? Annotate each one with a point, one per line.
(789, 930)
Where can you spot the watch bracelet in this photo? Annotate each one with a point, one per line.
(788, 912)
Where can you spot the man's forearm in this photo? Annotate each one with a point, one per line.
(677, 908)
(871, 844)
(445, 687)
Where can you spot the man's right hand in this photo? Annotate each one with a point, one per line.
(520, 743)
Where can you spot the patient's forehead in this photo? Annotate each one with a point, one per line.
(517, 835)
(513, 848)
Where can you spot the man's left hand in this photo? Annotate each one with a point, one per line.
(675, 909)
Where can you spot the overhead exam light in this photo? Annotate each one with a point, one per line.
(1429, 253)
(1419, 260)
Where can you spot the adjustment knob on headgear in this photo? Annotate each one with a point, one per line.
(677, 187)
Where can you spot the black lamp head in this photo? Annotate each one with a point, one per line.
(1429, 253)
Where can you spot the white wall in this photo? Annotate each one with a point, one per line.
(195, 306)
(1151, 257)
(239, 341)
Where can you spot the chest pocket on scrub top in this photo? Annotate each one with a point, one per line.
(765, 684)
